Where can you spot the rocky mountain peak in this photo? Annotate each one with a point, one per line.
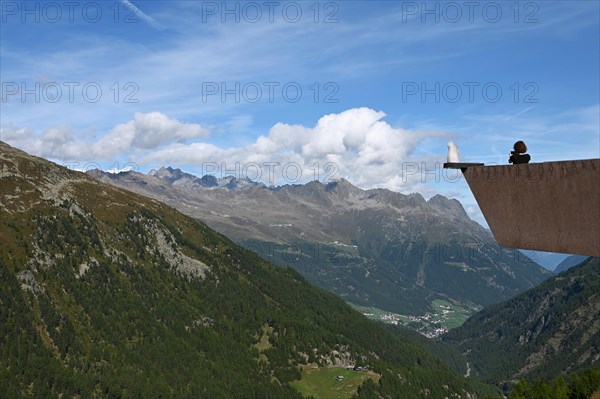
(450, 206)
(342, 187)
(167, 173)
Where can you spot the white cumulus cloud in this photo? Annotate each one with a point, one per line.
(356, 144)
(145, 132)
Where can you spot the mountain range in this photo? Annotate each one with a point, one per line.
(374, 248)
(106, 293)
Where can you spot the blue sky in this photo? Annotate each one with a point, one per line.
(384, 86)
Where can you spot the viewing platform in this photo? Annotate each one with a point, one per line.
(549, 206)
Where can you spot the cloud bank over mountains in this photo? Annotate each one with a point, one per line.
(357, 144)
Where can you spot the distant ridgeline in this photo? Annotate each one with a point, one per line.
(569, 262)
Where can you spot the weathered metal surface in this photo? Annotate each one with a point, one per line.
(550, 206)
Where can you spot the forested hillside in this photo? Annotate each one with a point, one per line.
(550, 330)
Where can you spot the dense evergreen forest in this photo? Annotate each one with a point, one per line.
(582, 385)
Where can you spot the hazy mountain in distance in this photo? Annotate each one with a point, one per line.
(549, 260)
(374, 248)
(553, 328)
(183, 180)
(106, 293)
(569, 262)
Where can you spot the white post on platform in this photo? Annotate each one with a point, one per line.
(453, 153)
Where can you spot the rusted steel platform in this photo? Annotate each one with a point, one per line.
(550, 206)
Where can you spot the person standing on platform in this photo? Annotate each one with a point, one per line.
(518, 155)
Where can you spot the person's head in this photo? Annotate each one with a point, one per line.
(520, 147)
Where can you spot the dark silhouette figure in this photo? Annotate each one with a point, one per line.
(518, 155)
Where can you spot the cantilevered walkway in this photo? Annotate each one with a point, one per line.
(549, 206)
